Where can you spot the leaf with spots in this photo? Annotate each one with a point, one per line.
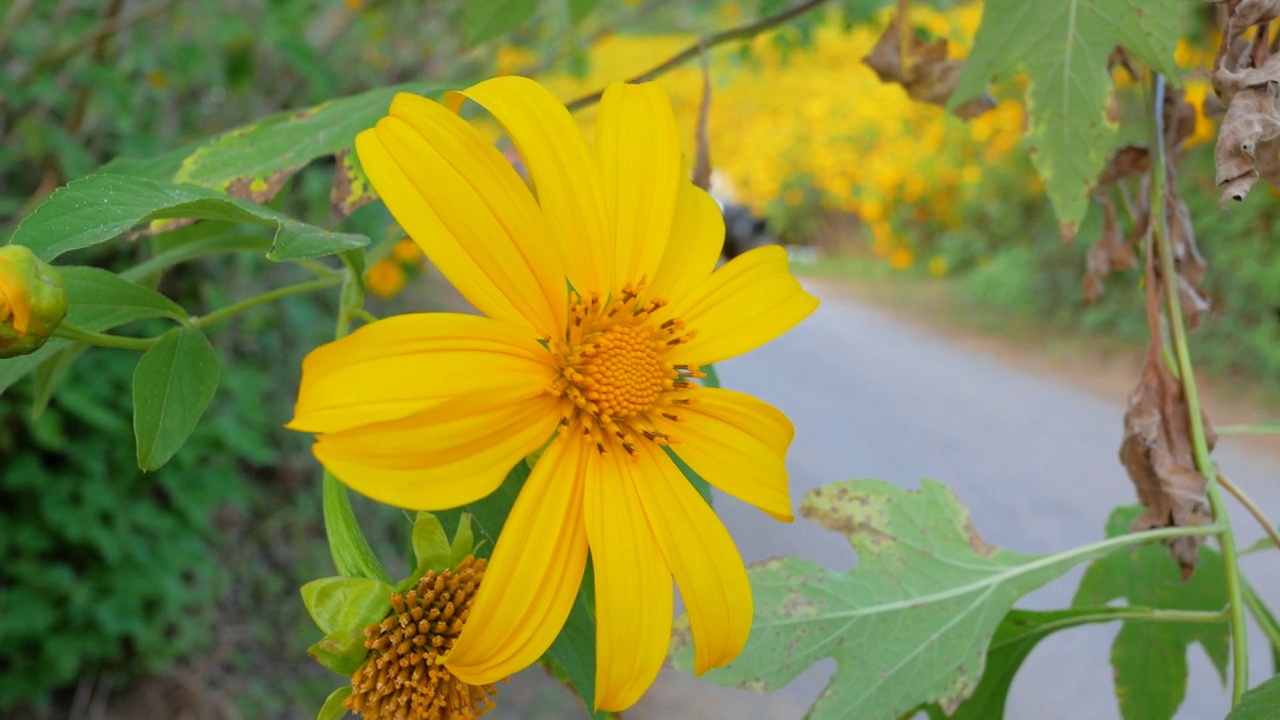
(254, 161)
(1063, 47)
(909, 625)
(1150, 659)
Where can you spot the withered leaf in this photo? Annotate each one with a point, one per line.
(1109, 253)
(1157, 454)
(1128, 161)
(929, 76)
(1252, 119)
(351, 189)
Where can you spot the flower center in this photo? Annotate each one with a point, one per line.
(613, 372)
(402, 677)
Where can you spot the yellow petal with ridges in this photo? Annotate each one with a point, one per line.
(746, 303)
(737, 443)
(562, 169)
(534, 573)
(407, 363)
(692, 250)
(460, 200)
(448, 455)
(638, 150)
(634, 596)
(702, 557)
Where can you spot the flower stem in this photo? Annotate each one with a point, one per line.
(1199, 441)
(74, 332)
(281, 292)
(1252, 507)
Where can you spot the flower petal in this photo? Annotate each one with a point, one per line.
(407, 363)
(738, 444)
(564, 175)
(447, 455)
(703, 559)
(743, 305)
(638, 150)
(534, 574)
(456, 195)
(697, 235)
(634, 597)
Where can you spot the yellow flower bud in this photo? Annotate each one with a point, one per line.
(33, 301)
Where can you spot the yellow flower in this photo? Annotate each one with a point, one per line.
(385, 278)
(901, 259)
(407, 252)
(432, 410)
(401, 677)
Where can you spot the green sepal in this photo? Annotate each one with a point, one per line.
(342, 651)
(430, 544)
(333, 709)
(464, 541)
(352, 556)
(341, 603)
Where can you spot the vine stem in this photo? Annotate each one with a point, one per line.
(1252, 507)
(737, 33)
(1199, 439)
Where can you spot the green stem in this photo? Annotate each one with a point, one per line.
(1199, 441)
(1266, 621)
(195, 249)
(1254, 429)
(73, 332)
(281, 292)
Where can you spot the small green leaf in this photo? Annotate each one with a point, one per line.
(926, 597)
(464, 542)
(101, 299)
(484, 20)
(333, 708)
(430, 544)
(342, 651)
(352, 556)
(345, 603)
(712, 380)
(97, 208)
(1260, 703)
(172, 386)
(1150, 659)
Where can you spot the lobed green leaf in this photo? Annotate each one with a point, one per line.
(909, 625)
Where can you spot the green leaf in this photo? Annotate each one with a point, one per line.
(13, 369)
(346, 603)
(248, 161)
(1267, 621)
(1063, 46)
(909, 625)
(574, 648)
(579, 9)
(342, 651)
(97, 208)
(352, 556)
(430, 544)
(333, 708)
(101, 299)
(1260, 703)
(172, 385)
(1150, 659)
(484, 20)
(712, 380)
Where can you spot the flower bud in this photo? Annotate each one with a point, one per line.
(33, 301)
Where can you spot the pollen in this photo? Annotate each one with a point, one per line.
(613, 372)
(403, 678)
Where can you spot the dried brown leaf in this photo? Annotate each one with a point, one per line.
(1267, 161)
(351, 189)
(1128, 161)
(1252, 119)
(1109, 253)
(1157, 454)
(929, 77)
